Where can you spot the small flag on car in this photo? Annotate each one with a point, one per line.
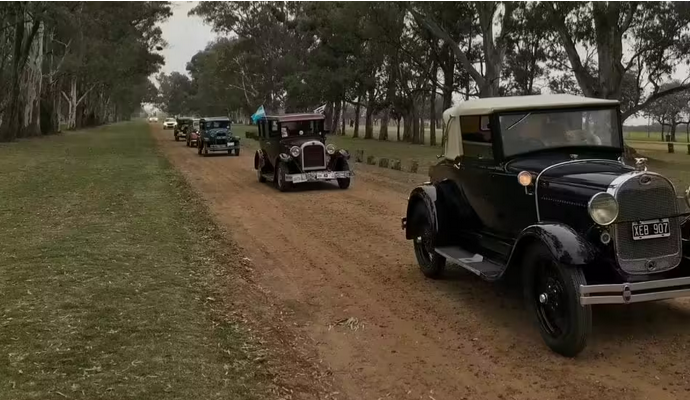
(260, 113)
(320, 110)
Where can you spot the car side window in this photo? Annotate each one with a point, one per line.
(274, 129)
(477, 140)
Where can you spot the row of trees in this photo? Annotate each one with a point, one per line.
(80, 63)
(406, 60)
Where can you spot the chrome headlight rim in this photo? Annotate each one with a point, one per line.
(330, 149)
(295, 151)
(594, 208)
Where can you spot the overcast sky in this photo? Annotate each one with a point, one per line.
(186, 35)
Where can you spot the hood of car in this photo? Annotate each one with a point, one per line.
(300, 140)
(586, 173)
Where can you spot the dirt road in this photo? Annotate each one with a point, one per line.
(328, 255)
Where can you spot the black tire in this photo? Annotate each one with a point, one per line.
(237, 152)
(177, 138)
(281, 171)
(344, 183)
(204, 149)
(430, 263)
(198, 147)
(551, 292)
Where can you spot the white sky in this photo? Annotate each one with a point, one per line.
(186, 35)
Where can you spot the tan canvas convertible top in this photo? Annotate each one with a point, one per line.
(490, 105)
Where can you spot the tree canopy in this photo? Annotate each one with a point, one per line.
(87, 61)
(405, 61)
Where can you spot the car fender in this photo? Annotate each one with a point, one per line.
(566, 245)
(259, 160)
(426, 194)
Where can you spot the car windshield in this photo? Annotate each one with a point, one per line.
(170, 120)
(301, 128)
(536, 130)
(217, 124)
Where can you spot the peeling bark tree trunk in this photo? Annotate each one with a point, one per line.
(32, 78)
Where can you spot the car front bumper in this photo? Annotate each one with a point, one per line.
(315, 176)
(222, 147)
(625, 293)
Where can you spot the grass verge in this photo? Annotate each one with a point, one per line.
(106, 261)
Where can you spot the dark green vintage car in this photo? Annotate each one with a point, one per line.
(215, 135)
(183, 127)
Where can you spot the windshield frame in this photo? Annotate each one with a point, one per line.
(498, 130)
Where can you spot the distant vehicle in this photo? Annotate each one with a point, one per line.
(193, 134)
(169, 123)
(536, 187)
(183, 125)
(215, 135)
(153, 119)
(293, 150)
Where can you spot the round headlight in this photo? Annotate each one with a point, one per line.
(687, 196)
(295, 151)
(330, 149)
(603, 208)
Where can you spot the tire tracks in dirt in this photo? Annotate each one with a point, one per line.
(326, 255)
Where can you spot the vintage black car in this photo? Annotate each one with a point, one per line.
(193, 134)
(215, 135)
(182, 127)
(293, 150)
(535, 187)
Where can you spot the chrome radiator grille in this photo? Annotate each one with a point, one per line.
(313, 156)
(640, 201)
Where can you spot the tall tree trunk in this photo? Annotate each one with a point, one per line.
(32, 79)
(385, 119)
(674, 124)
(432, 118)
(407, 126)
(397, 122)
(416, 131)
(343, 117)
(357, 111)
(328, 114)
(369, 121)
(336, 117)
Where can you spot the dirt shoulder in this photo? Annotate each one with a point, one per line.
(336, 267)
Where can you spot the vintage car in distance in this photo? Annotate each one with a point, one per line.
(193, 134)
(536, 187)
(293, 150)
(169, 123)
(215, 136)
(153, 119)
(182, 126)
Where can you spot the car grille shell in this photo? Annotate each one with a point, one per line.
(313, 156)
(653, 197)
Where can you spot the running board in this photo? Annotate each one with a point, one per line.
(475, 263)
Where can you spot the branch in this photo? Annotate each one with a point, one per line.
(84, 95)
(651, 99)
(440, 33)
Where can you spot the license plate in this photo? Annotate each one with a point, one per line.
(230, 144)
(657, 228)
(217, 146)
(324, 175)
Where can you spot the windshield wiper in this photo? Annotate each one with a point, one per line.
(518, 121)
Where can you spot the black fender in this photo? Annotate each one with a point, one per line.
(259, 159)
(566, 245)
(427, 195)
(337, 160)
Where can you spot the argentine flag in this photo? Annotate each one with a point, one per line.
(260, 113)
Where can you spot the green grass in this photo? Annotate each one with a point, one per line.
(106, 260)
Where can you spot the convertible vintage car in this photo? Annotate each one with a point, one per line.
(536, 187)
